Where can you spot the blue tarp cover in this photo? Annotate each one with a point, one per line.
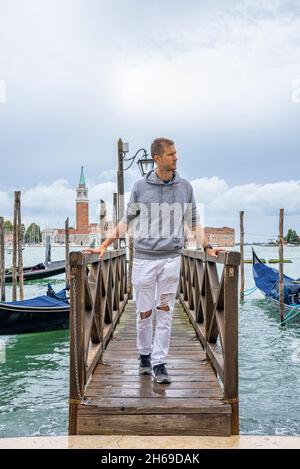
(267, 279)
(52, 299)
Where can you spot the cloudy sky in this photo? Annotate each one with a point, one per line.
(222, 78)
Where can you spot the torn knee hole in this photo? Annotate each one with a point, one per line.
(163, 308)
(165, 299)
(146, 314)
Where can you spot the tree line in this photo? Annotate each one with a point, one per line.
(31, 235)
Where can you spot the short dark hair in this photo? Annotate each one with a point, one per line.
(157, 146)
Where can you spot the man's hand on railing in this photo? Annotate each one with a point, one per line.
(213, 252)
(99, 249)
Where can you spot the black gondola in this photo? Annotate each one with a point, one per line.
(38, 271)
(41, 270)
(44, 313)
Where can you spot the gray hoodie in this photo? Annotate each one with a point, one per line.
(159, 210)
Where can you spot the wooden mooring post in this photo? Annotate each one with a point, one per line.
(103, 221)
(120, 182)
(20, 247)
(17, 267)
(67, 251)
(242, 233)
(115, 216)
(2, 260)
(15, 251)
(281, 283)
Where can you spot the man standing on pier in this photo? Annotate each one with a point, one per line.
(160, 204)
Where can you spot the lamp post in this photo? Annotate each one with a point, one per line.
(144, 163)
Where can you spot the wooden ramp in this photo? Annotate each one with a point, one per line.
(120, 401)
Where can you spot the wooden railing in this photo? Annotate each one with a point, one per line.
(211, 302)
(98, 294)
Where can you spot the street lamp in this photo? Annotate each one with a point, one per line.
(144, 163)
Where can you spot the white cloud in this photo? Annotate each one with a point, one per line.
(235, 62)
(265, 199)
(235, 58)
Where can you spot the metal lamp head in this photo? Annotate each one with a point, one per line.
(145, 164)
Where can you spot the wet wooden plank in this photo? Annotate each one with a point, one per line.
(197, 424)
(108, 405)
(134, 378)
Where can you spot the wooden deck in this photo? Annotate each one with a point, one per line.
(120, 401)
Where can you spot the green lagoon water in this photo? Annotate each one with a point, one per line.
(34, 376)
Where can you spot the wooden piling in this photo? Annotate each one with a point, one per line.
(2, 260)
(121, 190)
(120, 179)
(47, 249)
(67, 252)
(20, 247)
(242, 233)
(130, 264)
(15, 251)
(115, 216)
(103, 221)
(281, 284)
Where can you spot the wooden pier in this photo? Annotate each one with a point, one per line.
(107, 394)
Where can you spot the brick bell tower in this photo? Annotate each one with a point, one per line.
(82, 206)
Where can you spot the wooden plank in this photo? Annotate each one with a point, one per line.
(115, 378)
(99, 386)
(135, 372)
(197, 424)
(158, 393)
(175, 364)
(108, 405)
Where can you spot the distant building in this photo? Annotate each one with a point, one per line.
(8, 237)
(49, 232)
(224, 237)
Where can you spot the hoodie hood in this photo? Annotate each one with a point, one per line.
(152, 178)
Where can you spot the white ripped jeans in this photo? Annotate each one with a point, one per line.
(155, 283)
